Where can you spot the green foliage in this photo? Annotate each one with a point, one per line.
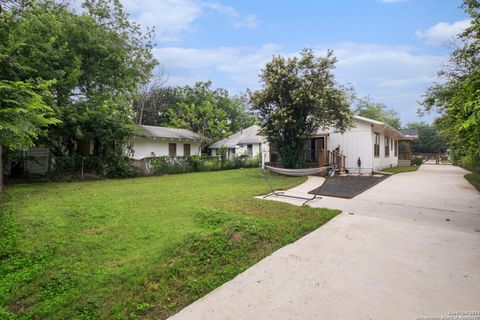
(429, 139)
(299, 96)
(396, 170)
(474, 179)
(169, 165)
(377, 111)
(97, 60)
(24, 116)
(458, 97)
(115, 165)
(137, 248)
(210, 112)
(417, 161)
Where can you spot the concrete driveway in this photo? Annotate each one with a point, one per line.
(406, 248)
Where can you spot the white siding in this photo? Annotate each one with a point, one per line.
(356, 142)
(359, 142)
(382, 161)
(257, 149)
(144, 147)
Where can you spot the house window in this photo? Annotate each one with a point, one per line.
(387, 147)
(376, 145)
(172, 149)
(186, 149)
(395, 148)
(391, 143)
(250, 149)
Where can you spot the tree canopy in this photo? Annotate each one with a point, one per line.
(97, 60)
(23, 113)
(299, 96)
(429, 139)
(377, 111)
(457, 97)
(200, 108)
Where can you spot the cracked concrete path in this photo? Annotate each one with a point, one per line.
(408, 247)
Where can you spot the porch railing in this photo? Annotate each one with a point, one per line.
(327, 158)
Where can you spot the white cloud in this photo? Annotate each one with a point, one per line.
(173, 18)
(442, 32)
(170, 18)
(240, 66)
(394, 75)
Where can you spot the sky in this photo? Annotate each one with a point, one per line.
(390, 50)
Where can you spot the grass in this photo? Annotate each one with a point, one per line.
(474, 179)
(137, 248)
(401, 169)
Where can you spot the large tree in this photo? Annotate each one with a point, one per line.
(457, 97)
(24, 116)
(201, 108)
(367, 108)
(98, 60)
(299, 96)
(429, 139)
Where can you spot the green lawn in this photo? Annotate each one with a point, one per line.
(137, 248)
(401, 169)
(474, 179)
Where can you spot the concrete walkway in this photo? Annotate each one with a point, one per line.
(408, 247)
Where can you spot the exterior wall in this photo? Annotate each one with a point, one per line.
(242, 149)
(356, 142)
(382, 161)
(257, 149)
(144, 147)
(359, 142)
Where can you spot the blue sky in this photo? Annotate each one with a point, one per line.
(388, 49)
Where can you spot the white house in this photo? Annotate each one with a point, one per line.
(161, 141)
(373, 142)
(247, 141)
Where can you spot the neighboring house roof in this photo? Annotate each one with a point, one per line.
(413, 133)
(246, 136)
(169, 133)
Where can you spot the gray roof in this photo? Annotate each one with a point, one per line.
(246, 136)
(169, 133)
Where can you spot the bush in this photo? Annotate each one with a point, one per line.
(471, 163)
(115, 165)
(416, 161)
(171, 165)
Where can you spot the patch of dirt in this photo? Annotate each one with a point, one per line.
(116, 264)
(236, 236)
